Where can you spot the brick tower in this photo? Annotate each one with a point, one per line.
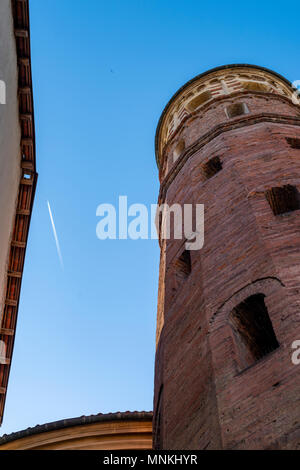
(228, 314)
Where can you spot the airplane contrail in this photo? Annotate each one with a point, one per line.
(55, 236)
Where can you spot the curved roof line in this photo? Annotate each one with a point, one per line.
(80, 421)
(201, 75)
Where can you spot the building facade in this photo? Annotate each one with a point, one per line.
(17, 170)
(228, 314)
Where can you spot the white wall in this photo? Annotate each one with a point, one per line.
(9, 140)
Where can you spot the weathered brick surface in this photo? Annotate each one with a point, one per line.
(206, 400)
(201, 123)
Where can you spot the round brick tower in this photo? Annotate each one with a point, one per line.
(228, 314)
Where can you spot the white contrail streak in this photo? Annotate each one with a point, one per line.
(55, 236)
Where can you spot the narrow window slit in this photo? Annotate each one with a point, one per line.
(178, 150)
(183, 265)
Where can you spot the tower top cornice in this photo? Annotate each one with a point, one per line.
(218, 82)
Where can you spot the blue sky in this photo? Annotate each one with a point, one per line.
(103, 71)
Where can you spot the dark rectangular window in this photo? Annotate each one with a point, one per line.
(283, 199)
(236, 109)
(293, 142)
(254, 333)
(213, 166)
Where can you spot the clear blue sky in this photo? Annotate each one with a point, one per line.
(103, 71)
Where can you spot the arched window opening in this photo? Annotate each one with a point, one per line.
(253, 330)
(198, 101)
(254, 86)
(283, 199)
(201, 87)
(258, 78)
(215, 81)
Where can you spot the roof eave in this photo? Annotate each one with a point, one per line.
(20, 11)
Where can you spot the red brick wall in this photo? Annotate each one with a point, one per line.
(207, 402)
